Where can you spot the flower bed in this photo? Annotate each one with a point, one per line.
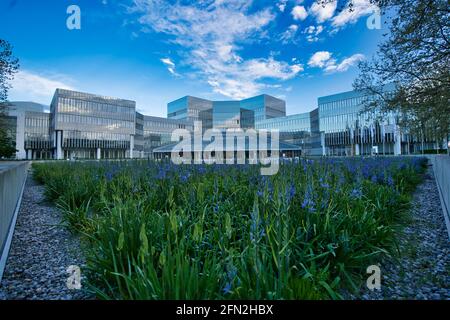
(161, 231)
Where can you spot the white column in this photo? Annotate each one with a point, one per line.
(322, 142)
(357, 153)
(59, 154)
(20, 136)
(131, 146)
(398, 142)
(29, 154)
(99, 154)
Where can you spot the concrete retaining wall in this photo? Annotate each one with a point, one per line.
(12, 181)
(441, 167)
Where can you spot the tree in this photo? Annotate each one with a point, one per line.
(7, 145)
(415, 56)
(8, 67)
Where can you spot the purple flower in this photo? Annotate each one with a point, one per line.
(291, 192)
(374, 179)
(227, 288)
(308, 202)
(356, 193)
(390, 181)
(109, 176)
(161, 174)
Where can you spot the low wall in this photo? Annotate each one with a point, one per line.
(12, 180)
(441, 167)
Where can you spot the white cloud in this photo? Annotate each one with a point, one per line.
(282, 5)
(325, 61)
(313, 32)
(319, 59)
(30, 86)
(211, 33)
(168, 62)
(299, 13)
(289, 34)
(345, 64)
(323, 12)
(170, 66)
(359, 9)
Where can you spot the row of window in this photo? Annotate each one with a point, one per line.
(339, 105)
(37, 122)
(87, 143)
(112, 123)
(163, 124)
(87, 96)
(95, 108)
(350, 120)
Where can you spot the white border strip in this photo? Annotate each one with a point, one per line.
(12, 227)
(445, 210)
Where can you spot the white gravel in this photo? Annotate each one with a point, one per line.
(41, 251)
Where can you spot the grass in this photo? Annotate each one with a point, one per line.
(160, 231)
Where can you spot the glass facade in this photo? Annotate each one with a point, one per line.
(37, 135)
(294, 129)
(230, 114)
(348, 130)
(188, 108)
(226, 114)
(158, 132)
(81, 123)
(88, 126)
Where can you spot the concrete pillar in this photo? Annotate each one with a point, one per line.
(59, 154)
(29, 154)
(398, 142)
(131, 146)
(99, 154)
(20, 136)
(357, 152)
(322, 142)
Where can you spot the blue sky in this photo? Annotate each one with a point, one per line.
(155, 51)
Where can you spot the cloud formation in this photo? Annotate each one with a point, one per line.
(30, 86)
(360, 8)
(325, 61)
(170, 65)
(313, 32)
(282, 5)
(289, 34)
(299, 13)
(212, 31)
(321, 12)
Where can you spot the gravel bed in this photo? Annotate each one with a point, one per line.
(422, 269)
(41, 251)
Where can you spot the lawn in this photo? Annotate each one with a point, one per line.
(155, 230)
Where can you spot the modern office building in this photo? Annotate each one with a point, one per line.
(347, 130)
(158, 131)
(294, 129)
(28, 125)
(227, 114)
(89, 126)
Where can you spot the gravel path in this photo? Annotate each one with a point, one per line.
(422, 271)
(41, 251)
